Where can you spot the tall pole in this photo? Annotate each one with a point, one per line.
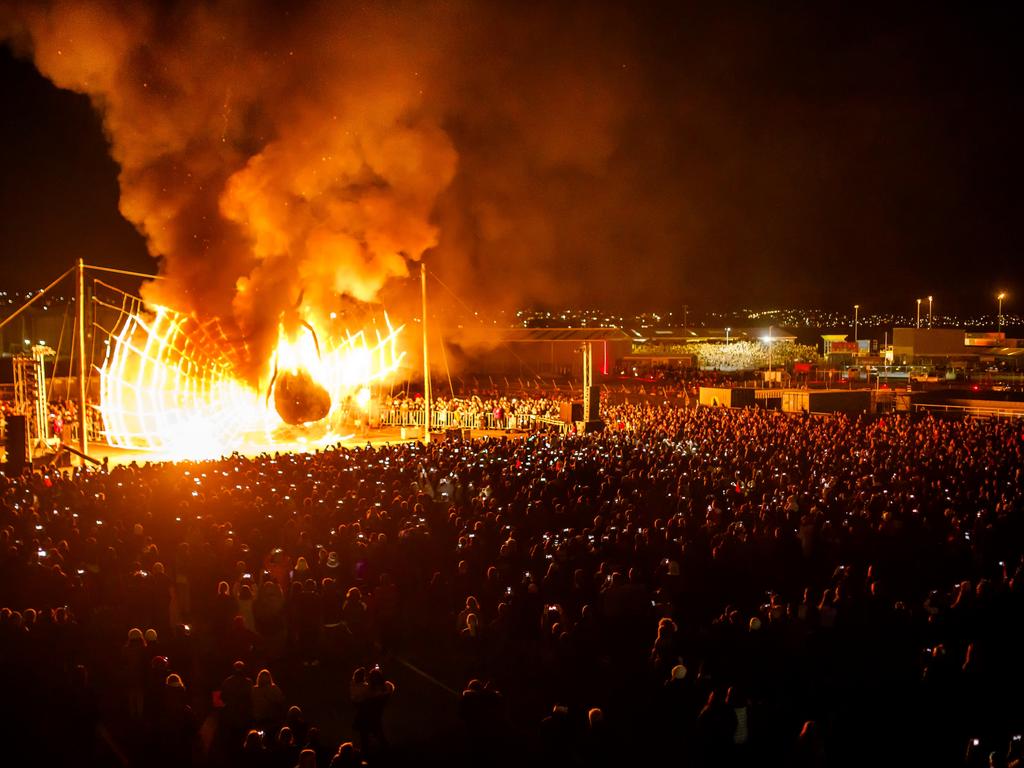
(929, 313)
(856, 318)
(999, 319)
(426, 361)
(83, 434)
(588, 377)
(918, 313)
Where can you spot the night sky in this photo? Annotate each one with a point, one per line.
(733, 156)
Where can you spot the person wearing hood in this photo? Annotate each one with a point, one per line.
(134, 665)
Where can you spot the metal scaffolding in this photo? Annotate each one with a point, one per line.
(30, 393)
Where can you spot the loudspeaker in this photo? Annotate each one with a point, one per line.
(594, 414)
(565, 413)
(570, 413)
(17, 444)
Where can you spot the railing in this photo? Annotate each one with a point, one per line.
(440, 420)
(69, 434)
(970, 410)
(95, 433)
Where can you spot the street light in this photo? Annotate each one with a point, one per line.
(727, 335)
(999, 321)
(856, 317)
(929, 313)
(918, 313)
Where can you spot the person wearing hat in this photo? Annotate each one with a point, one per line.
(134, 665)
(332, 566)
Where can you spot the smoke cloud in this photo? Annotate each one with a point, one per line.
(634, 156)
(264, 156)
(315, 150)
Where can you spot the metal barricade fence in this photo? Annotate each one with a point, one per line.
(970, 410)
(488, 420)
(393, 417)
(96, 434)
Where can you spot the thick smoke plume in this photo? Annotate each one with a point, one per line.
(272, 151)
(264, 155)
(635, 156)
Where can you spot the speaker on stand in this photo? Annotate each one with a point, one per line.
(16, 445)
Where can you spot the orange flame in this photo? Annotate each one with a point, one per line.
(163, 389)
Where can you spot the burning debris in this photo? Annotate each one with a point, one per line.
(298, 399)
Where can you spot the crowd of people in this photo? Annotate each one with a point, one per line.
(494, 411)
(61, 415)
(748, 355)
(706, 585)
(524, 407)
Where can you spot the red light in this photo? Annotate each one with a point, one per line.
(975, 387)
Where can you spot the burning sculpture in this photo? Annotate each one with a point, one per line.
(261, 157)
(168, 383)
(298, 399)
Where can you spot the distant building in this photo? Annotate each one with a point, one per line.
(995, 348)
(673, 346)
(916, 346)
